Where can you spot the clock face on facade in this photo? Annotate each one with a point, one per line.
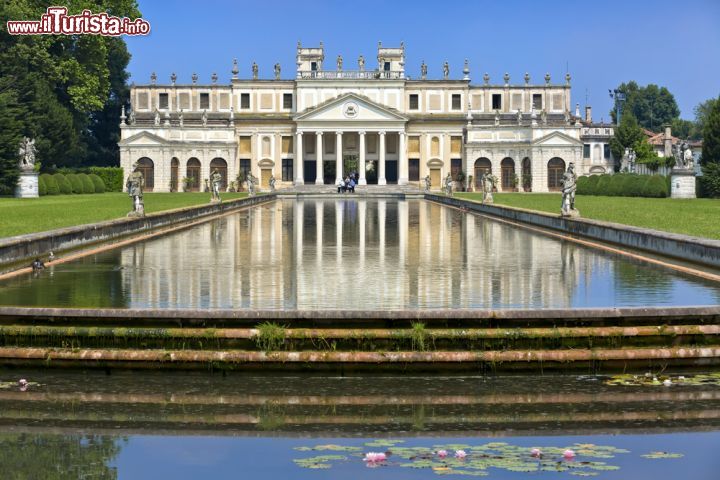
(350, 109)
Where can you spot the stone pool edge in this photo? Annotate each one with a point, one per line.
(684, 247)
(26, 247)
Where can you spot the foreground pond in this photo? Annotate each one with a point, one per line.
(148, 425)
(352, 254)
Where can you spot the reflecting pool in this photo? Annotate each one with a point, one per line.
(197, 425)
(356, 254)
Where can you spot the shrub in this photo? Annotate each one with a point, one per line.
(87, 185)
(615, 185)
(51, 185)
(112, 177)
(603, 184)
(710, 180)
(634, 185)
(582, 183)
(592, 185)
(97, 183)
(75, 183)
(63, 184)
(42, 188)
(655, 187)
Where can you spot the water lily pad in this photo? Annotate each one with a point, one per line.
(383, 443)
(318, 462)
(655, 455)
(664, 380)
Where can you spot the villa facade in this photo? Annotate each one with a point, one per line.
(379, 122)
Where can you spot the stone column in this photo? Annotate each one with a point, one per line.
(362, 180)
(299, 178)
(381, 160)
(319, 158)
(338, 157)
(402, 161)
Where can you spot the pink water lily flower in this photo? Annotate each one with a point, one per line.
(442, 453)
(536, 452)
(568, 454)
(375, 457)
(460, 454)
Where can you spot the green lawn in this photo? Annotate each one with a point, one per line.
(698, 217)
(27, 215)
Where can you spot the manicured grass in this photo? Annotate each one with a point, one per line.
(698, 217)
(29, 215)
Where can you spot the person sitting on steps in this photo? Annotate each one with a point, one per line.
(340, 186)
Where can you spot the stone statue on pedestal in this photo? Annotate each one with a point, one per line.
(131, 117)
(27, 154)
(361, 63)
(428, 183)
(271, 182)
(134, 185)
(254, 71)
(423, 70)
(628, 161)
(487, 183)
(448, 184)
(215, 181)
(682, 176)
(277, 71)
(204, 118)
(250, 184)
(339, 63)
(181, 118)
(497, 118)
(156, 121)
(569, 186)
(446, 70)
(683, 156)
(543, 116)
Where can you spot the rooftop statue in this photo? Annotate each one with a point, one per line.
(204, 118)
(423, 70)
(254, 71)
(446, 70)
(361, 63)
(156, 120)
(339, 63)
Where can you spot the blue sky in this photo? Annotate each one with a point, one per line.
(603, 43)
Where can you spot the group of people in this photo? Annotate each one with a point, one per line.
(347, 185)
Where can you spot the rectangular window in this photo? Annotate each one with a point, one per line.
(456, 102)
(204, 101)
(386, 67)
(287, 101)
(606, 151)
(414, 104)
(163, 101)
(244, 168)
(455, 167)
(537, 101)
(414, 169)
(244, 100)
(313, 66)
(497, 101)
(586, 150)
(287, 169)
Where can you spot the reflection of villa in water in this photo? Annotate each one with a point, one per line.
(388, 125)
(341, 253)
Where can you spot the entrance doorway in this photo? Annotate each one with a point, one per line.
(435, 178)
(309, 171)
(391, 171)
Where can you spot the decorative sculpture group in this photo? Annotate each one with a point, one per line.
(447, 188)
(134, 185)
(487, 183)
(27, 154)
(428, 183)
(215, 182)
(569, 186)
(27, 185)
(683, 156)
(682, 176)
(628, 161)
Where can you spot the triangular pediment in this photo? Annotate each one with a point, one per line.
(556, 139)
(143, 138)
(350, 107)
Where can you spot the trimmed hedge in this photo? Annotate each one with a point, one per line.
(97, 183)
(63, 184)
(112, 177)
(50, 184)
(75, 182)
(87, 185)
(42, 188)
(624, 185)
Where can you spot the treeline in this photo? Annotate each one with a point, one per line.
(65, 91)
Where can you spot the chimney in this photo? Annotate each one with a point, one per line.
(588, 113)
(668, 141)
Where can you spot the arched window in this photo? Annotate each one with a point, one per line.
(556, 168)
(147, 168)
(174, 168)
(434, 147)
(221, 166)
(507, 170)
(482, 165)
(193, 175)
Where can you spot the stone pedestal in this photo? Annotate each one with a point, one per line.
(682, 183)
(27, 186)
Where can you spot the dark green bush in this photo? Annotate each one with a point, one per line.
(603, 184)
(112, 177)
(75, 183)
(87, 185)
(97, 183)
(655, 187)
(51, 185)
(582, 183)
(63, 184)
(634, 186)
(592, 185)
(42, 188)
(615, 185)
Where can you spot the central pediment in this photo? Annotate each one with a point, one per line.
(350, 107)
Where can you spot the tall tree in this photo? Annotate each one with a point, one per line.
(711, 152)
(11, 128)
(652, 106)
(627, 135)
(702, 112)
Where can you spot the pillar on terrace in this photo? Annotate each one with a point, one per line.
(319, 180)
(402, 161)
(381, 160)
(338, 157)
(362, 180)
(299, 178)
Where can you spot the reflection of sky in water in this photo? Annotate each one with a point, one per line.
(356, 254)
